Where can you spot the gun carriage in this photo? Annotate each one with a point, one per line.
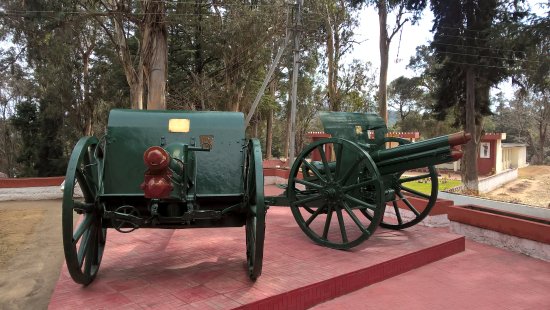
(357, 172)
(174, 170)
(162, 169)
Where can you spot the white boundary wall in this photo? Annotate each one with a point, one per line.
(495, 181)
(525, 246)
(30, 193)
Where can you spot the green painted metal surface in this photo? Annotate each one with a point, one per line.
(131, 132)
(354, 126)
(369, 131)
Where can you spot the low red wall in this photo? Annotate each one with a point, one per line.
(519, 225)
(441, 205)
(30, 182)
(276, 172)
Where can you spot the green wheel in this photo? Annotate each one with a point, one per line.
(417, 205)
(255, 218)
(83, 233)
(342, 181)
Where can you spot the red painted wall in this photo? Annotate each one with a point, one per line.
(485, 166)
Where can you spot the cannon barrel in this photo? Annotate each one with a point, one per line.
(420, 154)
(448, 141)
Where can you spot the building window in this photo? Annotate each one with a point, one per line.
(485, 150)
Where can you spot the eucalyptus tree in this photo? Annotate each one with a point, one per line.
(404, 11)
(144, 22)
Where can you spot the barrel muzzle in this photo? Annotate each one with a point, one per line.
(459, 138)
(456, 155)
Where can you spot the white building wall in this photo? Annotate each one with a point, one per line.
(522, 157)
(498, 160)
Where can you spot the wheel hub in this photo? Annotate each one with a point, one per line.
(332, 192)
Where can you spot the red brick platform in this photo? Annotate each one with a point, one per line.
(205, 268)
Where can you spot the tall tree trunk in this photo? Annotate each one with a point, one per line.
(155, 53)
(269, 125)
(199, 54)
(133, 78)
(88, 105)
(469, 161)
(269, 135)
(384, 56)
(332, 58)
(286, 148)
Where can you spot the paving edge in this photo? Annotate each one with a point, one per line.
(316, 293)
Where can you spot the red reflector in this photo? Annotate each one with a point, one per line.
(156, 158)
(156, 186)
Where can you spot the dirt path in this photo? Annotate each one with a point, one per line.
(532, 188)
(31, 253)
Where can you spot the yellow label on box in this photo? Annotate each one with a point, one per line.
(179, 125)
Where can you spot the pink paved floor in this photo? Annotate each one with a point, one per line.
(179, 272)
(482, 277)
(205, 268)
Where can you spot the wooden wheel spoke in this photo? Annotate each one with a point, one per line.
(342, 225)
(314, 170)
(354, 218)
(359, 202)
(351, 169)
(308, 199)
(338, 155)
(82, 227)
(102, 233)
(84, 185)
(414, 178)
(397, 212)
(348, 188)
(327, 222)
(306, 183)
(407, 202)
(83, 248)
(91, 252)
(414, 192)
(315, 214)
(325, 162)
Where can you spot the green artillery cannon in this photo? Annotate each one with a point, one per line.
(177, 169)
(162, 169)
(354, 175)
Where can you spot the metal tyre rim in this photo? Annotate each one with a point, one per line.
(255, 219)
(83, 233)
(347, 183)
(417, 209)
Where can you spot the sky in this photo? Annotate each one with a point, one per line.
(400, 51)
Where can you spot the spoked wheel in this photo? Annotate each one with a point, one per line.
(410, 206)
(343, 181)
(255, 219)
(83, 233)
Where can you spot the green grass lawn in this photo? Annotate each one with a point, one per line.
(427, 187)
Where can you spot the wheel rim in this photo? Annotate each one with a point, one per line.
(255, 219)
(416, 205)
(344, 182)
(83, 233)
